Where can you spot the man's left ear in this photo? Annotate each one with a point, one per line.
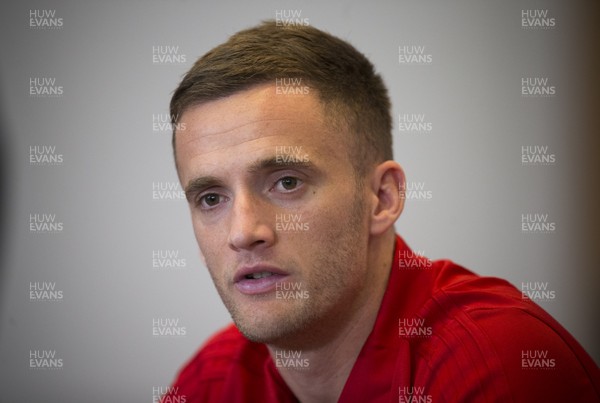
(387, 187)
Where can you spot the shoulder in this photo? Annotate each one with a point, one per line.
(204, 376)
(216, 355)
(486, 337)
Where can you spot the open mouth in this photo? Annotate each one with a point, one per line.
(262, 274)
(258, 280)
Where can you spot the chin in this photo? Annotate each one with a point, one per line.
(260, 334)
(270, 328)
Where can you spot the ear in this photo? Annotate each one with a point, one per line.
(387, 186)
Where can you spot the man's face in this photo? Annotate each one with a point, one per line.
(276, 211)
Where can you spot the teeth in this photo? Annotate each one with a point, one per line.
(262, 274)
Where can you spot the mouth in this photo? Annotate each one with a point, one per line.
(255, 276)
(258, 279)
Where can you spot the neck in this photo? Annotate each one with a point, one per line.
(327, 366)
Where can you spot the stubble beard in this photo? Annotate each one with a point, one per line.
(332, 287)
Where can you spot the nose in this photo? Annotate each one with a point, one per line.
(250, 226)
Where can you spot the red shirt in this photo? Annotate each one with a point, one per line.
(442, 334)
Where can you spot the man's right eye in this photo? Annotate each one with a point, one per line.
(209, 200)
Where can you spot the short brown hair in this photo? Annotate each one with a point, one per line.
(344, 79)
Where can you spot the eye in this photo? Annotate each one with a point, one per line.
(288, 183)
(209, 200)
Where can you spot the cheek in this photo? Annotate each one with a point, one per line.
(208, 251)
(340, 201)
(332, 212)
(208, 238)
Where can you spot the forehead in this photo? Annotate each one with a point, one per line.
(259, 106)
(252, 121)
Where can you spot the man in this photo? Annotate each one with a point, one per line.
(285, 155)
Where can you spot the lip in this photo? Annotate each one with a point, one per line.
(261, 285)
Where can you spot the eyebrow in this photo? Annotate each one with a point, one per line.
(203, 182)
(200, 183)
(275, 162)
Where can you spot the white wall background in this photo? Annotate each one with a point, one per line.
(102, 125)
